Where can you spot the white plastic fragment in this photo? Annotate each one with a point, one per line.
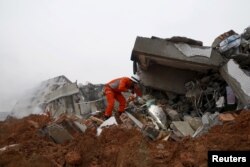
(108, 122)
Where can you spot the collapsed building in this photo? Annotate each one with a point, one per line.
(198, 82)
(187, 87)
(59, 96)
(173, 65)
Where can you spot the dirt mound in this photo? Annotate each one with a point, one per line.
(116, 146)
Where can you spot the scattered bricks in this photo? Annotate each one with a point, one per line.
(225, 117)
(73, 158)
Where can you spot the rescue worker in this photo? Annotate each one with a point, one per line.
(113, 91)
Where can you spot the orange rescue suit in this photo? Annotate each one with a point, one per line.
(112, 91)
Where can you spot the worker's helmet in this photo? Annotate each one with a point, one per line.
(135, 78)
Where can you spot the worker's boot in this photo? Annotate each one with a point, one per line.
(117, 117)
(105, 117)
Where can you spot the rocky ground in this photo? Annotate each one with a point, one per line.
(116, 146)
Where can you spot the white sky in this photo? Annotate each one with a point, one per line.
(92, 40)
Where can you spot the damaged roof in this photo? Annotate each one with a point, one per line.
(36, 97)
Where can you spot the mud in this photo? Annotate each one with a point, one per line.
(116, 146)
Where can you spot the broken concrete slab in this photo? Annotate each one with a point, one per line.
(210, 120)
(201, 131)
(66, 90)
(205, 119)
(136, 121)
(238, 80)
(82, 127)
(160, 61)
(194, 122)
(58, 134)
(173, 114)
(148, 131)
(183, 128)
(195, 57)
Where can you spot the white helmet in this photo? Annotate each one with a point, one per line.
(135, 78)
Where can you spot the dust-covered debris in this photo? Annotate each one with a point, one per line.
(193, 102)
(116, 146)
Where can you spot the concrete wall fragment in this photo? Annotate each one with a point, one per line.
(238, 80)
(167, 65)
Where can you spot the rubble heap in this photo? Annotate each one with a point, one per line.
(194, 99)
(21, 144)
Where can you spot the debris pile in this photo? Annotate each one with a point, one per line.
(116, 145)
(189, 93)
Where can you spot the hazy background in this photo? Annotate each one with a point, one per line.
(92, 40)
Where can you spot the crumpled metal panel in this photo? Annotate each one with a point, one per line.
(158, 115)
